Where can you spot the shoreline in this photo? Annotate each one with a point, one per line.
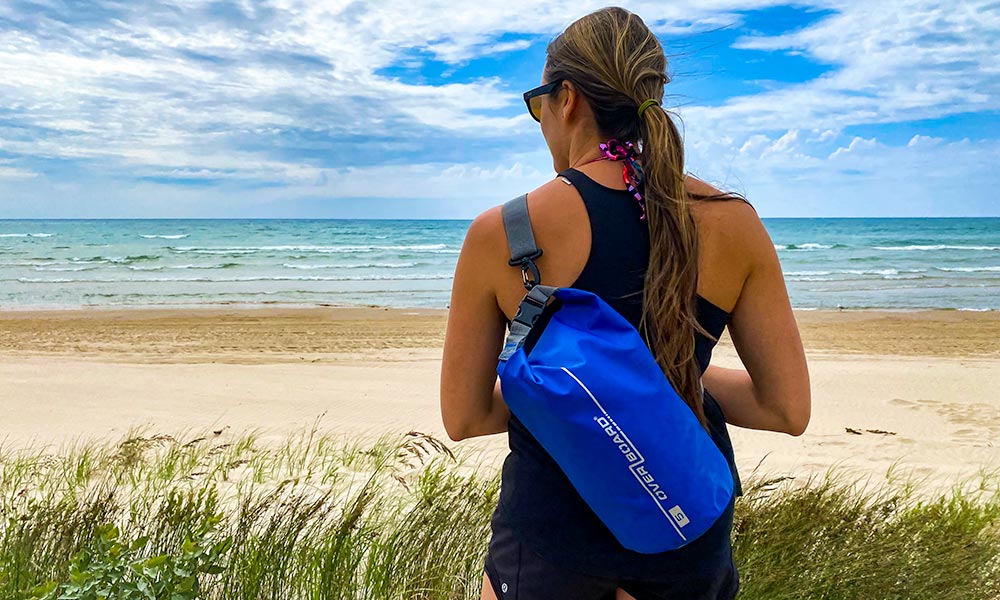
(293, 306)
(268, 332)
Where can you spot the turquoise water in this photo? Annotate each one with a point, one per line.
(853, 263)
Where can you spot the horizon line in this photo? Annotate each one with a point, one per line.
(35, 219)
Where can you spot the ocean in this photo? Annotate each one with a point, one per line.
(898, 264)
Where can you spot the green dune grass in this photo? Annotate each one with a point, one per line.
(404, 516)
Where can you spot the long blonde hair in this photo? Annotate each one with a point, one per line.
(617, 63)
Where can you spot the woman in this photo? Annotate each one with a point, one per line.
(676, 258)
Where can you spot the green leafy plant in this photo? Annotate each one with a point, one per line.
(320, 516)
(113, 568)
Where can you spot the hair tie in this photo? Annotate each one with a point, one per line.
(647, 104)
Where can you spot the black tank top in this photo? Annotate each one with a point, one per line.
(537, 501)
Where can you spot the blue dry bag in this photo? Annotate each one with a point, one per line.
(592, 394)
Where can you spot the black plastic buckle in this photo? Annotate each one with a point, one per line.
(529, 310)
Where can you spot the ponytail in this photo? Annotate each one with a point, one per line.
(619, 67)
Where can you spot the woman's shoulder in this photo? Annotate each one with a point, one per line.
(543, 206)
(486, 233)
(723, 217)
(732, 241)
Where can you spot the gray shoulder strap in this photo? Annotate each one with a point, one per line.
(523, 253)
(520, 238)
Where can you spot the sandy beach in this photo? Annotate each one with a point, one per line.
(911, 391)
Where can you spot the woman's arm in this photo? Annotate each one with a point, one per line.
(773, 392)
(471, 402)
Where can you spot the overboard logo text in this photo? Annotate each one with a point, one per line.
(636, 465)
(635, 460)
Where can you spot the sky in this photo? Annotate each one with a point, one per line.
(413, 109)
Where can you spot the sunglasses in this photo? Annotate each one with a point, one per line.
(533, 98)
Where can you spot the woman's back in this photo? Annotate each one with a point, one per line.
(564, 230)
(537, 502)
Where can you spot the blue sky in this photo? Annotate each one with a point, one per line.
(412, 109)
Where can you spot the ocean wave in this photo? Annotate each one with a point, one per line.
(219, 297)
(807, 246)
(936, 247)
(30, 280)
(826, 275)
(833, 280)
(162, 267)
(364, 266)
(234, 279)
(118, 260)
(228, 265)
(125, 260)
(925, 287)
(74, 269)
(215, 252)
(32, 262)
(970, 269)
(882, 272)
(179, 236)
(26, 235)
(349, 249)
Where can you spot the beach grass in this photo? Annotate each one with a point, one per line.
(405, 516)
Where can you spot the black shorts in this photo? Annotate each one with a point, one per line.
(516, 572)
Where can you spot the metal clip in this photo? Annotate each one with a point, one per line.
(536, 277)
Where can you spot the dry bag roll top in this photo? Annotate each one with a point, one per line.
(592, 394)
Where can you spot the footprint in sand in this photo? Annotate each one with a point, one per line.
(831, 443)
(978, 415)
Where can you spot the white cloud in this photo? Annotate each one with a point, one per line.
(857, 145)
(827, 135)
(923, 140)
(895, 61)
(277, 92)
(15, 173)
(861, 177)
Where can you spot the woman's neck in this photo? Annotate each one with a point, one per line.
(583, 147)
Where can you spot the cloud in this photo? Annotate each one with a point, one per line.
(896, 61)
(15, 173)
(857, 145)
(264, 99)
(923, 140)
(860, 176)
